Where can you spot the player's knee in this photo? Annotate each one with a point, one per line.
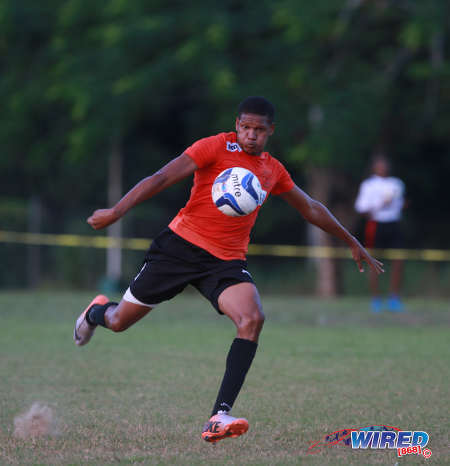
(258, 319)
(252, 323)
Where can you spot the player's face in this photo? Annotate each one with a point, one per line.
(252, 132)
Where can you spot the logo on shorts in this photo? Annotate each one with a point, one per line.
(233, 147)
(140, 271)
(247, 272)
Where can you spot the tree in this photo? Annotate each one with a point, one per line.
(83, 84)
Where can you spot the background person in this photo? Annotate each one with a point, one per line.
(381, 198)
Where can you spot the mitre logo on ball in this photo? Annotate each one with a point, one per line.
(237, 192)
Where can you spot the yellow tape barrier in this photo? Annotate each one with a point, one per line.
(40, 239)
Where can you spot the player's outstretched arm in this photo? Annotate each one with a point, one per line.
(174, 171)
(317, 214)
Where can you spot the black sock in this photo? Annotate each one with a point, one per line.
(239, 360)
(96, 314)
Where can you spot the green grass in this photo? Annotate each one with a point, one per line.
(141, 397)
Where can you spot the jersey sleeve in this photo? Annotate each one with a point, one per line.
(204, 151)
(284, 182)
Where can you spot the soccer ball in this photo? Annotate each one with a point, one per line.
(237, 192)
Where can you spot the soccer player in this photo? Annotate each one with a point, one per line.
(381, 199)
(207, 249)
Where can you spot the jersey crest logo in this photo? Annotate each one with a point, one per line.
(233, 147)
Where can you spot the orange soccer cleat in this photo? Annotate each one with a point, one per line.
(222, 425)
(83, 331)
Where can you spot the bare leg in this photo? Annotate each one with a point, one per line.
(394, 302)
(123, 315)
(242, 304)
(374, 284)
(376, 303)
(396, 276)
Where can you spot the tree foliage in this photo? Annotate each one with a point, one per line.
(347, 77)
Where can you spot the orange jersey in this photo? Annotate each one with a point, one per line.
(200, 222)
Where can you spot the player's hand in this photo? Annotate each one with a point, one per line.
(102, 218)
(360, 254)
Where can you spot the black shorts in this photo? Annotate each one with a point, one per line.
(383, 235)
(172, 263)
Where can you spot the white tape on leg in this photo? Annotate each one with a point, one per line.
(128, 296)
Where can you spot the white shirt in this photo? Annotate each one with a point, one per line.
(382, 198)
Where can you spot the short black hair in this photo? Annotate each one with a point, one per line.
(258, 106)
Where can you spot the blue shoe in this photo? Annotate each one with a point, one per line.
(376, 305)
(395, 305)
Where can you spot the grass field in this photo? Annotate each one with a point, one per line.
(141, 397)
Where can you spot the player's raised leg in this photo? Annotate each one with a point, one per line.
(241, 303)
(114, 316)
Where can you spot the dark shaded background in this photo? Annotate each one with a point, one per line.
(83, 82)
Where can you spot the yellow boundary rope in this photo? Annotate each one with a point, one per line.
(139, 244)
